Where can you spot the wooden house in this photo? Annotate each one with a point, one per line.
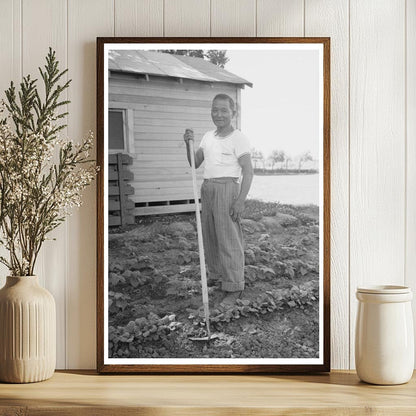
(153, 98)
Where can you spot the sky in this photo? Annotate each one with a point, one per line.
(281, 111)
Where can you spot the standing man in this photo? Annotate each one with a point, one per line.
(226, 152)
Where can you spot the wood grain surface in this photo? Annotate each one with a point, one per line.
(280, 18)
(10, 65)
(339, 393)
(51, 265)
(85, 19)
(138, 18)
(233, 18)
(377, 148)
(187, 18)
(330, 17)
(410, 261)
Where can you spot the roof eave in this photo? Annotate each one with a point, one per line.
(239, 84)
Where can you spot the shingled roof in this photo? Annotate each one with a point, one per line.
(165, 64)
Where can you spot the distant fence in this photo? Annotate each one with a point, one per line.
(259, 171)
(120, 207)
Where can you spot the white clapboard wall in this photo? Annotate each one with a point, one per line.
(373, 132)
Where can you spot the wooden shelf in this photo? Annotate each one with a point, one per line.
(86, 393)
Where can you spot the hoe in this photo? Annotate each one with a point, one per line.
(201, 250)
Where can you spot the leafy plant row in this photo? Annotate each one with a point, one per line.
(290, 269)
(255, 210)
(265, 251)
(132, 338)
(271, 301)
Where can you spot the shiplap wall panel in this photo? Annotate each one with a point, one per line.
(377, 146)
(187, 18)
(280, 18)
(10, 67)
(411, 150)
(330, 18)
(138, 17)
(383, 226)
(233, 18)
(10, 44)
(52, 266)
(87, 19)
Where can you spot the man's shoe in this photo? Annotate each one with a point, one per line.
(231, 298)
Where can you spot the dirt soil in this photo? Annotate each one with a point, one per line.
(155, 301)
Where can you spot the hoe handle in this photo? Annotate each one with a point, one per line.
(200, 239)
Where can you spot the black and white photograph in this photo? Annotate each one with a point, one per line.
(214, 193)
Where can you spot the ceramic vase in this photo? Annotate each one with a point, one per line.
(27, 331)
(384, 340)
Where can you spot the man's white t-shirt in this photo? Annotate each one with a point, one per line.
(221, 154)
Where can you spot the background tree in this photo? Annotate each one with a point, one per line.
(276, 157)
(217, 57)
(304, 157)
(197, 53)
(257, 157)
(287, 160)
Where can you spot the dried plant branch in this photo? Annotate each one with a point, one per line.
(37, 193)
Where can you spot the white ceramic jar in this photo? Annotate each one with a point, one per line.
(384, 337)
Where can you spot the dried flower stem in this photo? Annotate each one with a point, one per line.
(36, 194)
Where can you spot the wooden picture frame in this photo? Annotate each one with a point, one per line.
(136, 69)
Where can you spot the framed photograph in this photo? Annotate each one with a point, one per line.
(213, 214)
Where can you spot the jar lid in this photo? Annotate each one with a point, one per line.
(384, 289)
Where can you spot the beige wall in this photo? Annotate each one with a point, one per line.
(373, 125)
